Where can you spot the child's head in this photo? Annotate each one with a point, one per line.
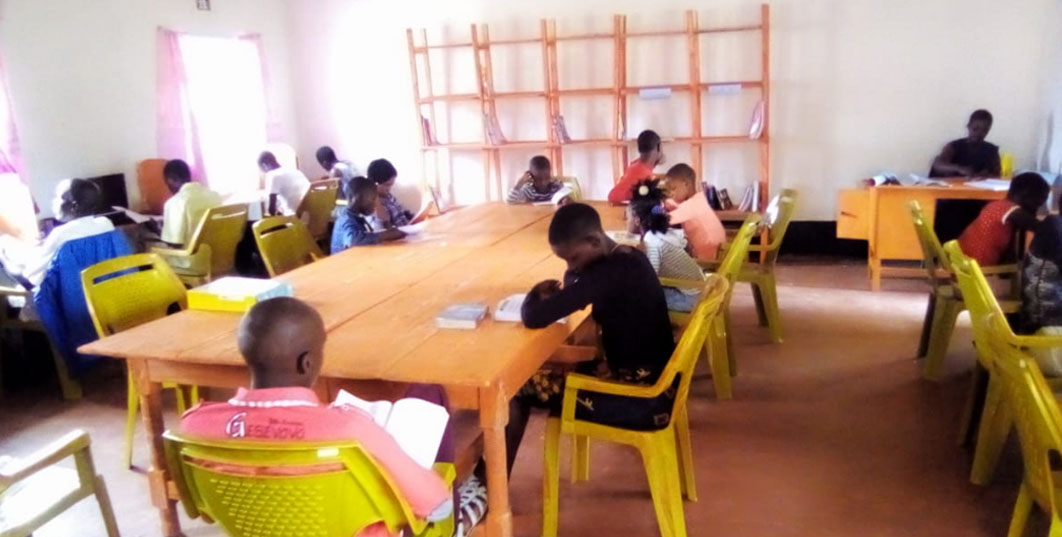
(681, 182)
(647, 207)
(363, 194)
(1029, 190)
(383, 173)
(576, 236)
(176, 173)
(77, 198)
(282, 340)
(541, 171)
(649, 147)
(326, 157)
(267, 162)
(979, 125)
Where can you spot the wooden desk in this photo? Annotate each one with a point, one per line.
(379, 305)
(880, 216)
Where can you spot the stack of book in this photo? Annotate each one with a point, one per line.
(718, 199)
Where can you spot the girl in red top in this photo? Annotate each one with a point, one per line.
(650, 156)
(988, 237)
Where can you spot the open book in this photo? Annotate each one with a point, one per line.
(416, 425)
(558, 196)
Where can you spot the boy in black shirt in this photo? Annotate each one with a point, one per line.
(629, 306)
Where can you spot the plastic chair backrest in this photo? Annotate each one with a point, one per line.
(315, 209)
(738, 251)
(777, 217)
(977, 295)
(324, 489)
(128, 291)
(688, 350)
(934, 257)
(1036, 416)
(221, 228)
(153, 189)
(285, 244)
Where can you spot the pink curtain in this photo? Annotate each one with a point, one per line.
(176, 135)
(10, 156)
(274, 125)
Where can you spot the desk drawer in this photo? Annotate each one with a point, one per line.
(853, 214)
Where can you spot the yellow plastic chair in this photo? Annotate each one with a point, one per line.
(325, 489)
(945, 301)
(34, 490)
(666, 453)
(285, 244)
(211, 252)
(985, 312)
(1039, 424)
(129, 291)
(572, 182)
(315, 209)
(760, 275)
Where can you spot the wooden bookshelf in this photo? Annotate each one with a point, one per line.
(493, 144)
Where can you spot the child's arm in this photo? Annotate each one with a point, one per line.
(390, 234)
(548, 302)
(1021, 219)
(516, 194)
(943, 163)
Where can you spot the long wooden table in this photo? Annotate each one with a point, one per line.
(379, 304)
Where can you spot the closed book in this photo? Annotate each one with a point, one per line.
(233, 293)
(724, 200)
(461, 316)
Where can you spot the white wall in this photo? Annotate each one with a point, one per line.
(1050, 147)
(82, 77)
(859, 86)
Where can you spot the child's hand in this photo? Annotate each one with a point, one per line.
(545, 289)
(525, 178)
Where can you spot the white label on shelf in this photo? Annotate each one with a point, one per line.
(650, 94)
(724, 89)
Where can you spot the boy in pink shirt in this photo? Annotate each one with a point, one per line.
(282, 340)
(689, 207)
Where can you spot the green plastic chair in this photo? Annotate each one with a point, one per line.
(211, 252)
(285, 244)
(129, 291)
(326, 489)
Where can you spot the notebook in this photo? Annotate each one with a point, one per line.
(416, 425)
(461, 316)
(558, 196)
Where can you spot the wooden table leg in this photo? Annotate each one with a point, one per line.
(493, 417)
(151, 410)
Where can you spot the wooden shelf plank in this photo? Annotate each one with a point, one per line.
(585, 91)
(518, 94)
(448, 98)
(584, 37)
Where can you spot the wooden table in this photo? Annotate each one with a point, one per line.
(880, 216)
(379, 304)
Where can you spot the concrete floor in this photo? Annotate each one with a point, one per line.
(830, 433)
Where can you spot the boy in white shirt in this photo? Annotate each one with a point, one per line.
(285, 186)
(343, 170)
(183, 211)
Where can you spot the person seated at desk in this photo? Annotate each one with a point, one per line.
(971, 156)
(285, 186)
(282, 340)
(343, 170)
(989, 238)
(536, 184)
(183, 211)
(688, 207)
(389, 211)
(352, 227)
(76, 205)
(650, 155)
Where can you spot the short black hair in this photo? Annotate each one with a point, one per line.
(359, 186)
(647, 141)
(256, 336)
(177, 170)
(981, 115)
(648, 207)
(573, 222)
(325, 154)
(267, 158)
(1029, 186)
(381, 171)
(683, 172)
(539, 162)
(83, 198)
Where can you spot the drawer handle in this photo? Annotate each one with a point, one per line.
(846, 213)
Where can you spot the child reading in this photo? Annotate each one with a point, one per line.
(389, 212)
(343, 170)
(282, 340)
(991, 235)
(536, 184)
(649, 156)
(1042, 277)
(664, 246)
(183, 211)
(689, 208)
(628, 304)
(352, 227)
(971, 156)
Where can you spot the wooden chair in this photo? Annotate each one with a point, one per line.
(211, 252)
(285, 244)
(666, 453)
(153, 189)
(129, 291)
(327, 489)
(945, 301)
(34, 490)
(317, 207)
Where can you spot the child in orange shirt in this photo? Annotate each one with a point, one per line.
(689, 207)
(649, 157)
(988, 237)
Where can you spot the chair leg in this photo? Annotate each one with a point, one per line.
(71, 388)
(944, 316)
(769, 292)
(996, 420)
(730, 356)
(580, 458)
(655, 462)
(719, 361)
(106, 510)
(182, 404)
(927, 326)
(551, 478)
(1022, 508)
(673, 481)
(1056, 526)
(132, 406)
(685, 453)
(757, 299)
